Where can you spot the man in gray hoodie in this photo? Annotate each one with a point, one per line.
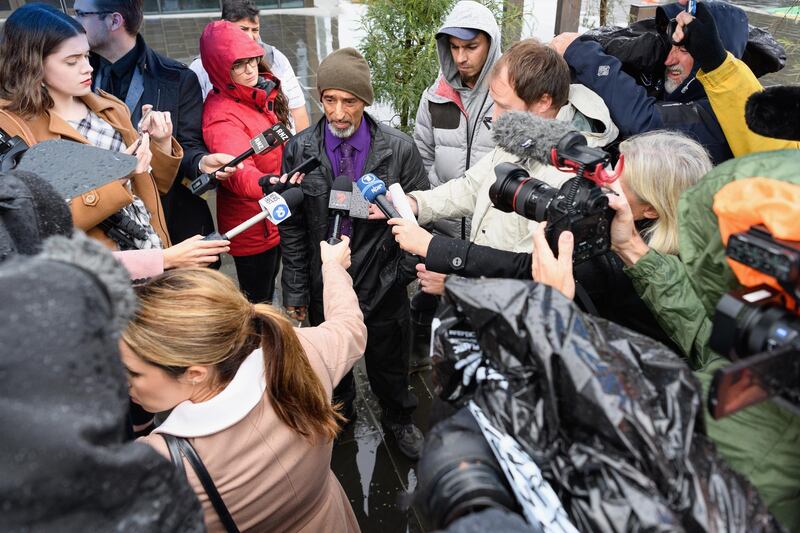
(452, 128)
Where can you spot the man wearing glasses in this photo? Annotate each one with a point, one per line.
(127, 68)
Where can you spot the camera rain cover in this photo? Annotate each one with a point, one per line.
(74, 168)
(607, 414)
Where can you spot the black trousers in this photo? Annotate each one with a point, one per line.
(257, 273)
(386, 358)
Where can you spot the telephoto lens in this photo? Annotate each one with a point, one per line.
(458, 473)
(514, 191)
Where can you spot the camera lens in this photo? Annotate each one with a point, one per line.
(515, 191)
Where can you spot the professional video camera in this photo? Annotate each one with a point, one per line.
(579, 206)
(759, 328)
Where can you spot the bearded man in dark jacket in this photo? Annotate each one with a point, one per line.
(681, 103)
(349, 142)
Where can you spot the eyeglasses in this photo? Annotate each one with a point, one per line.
(81, 14)
(241, 66)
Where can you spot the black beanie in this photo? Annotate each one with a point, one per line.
(30, 211)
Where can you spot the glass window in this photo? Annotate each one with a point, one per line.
(171, 6)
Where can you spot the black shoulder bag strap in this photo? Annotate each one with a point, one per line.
(179, 446)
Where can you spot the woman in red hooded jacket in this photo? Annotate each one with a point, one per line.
(246, 100)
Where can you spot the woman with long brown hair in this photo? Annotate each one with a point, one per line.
(249, 392)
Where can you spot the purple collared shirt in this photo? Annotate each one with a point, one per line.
(360, 140)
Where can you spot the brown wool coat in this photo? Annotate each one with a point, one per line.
(270, 478)
(96, 205)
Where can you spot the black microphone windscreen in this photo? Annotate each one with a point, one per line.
(775, 112)
(528, 136)
(341, 194)
(293, 196)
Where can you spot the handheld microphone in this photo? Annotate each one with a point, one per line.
(400, 202)
(276, 207)
(339, 204)
(374, 190)
(262, 143)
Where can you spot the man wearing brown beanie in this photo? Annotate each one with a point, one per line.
(349, 142)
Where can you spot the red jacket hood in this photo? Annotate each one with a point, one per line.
(221, 45)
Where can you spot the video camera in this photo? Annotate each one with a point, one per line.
(579, 205)
(759, 328)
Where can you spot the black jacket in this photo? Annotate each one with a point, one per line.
(606, 284)
(379, 268)
(171, 86)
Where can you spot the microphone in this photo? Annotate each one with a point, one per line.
(276, 207)
(339, 204)
(374, 190)
(774, 113)
(528, 136)
(262, 143)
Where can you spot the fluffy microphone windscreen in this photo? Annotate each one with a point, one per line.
(529, 136)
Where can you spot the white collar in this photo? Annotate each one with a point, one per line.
(237, 399)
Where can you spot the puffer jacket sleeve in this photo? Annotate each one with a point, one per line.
(454, 199)
(226, 134)
(631, 108)
(423, 134)
(728, 87)
(294, 242)
(661, 281)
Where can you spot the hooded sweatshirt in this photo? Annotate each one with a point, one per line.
(233, 114)
(451, 131)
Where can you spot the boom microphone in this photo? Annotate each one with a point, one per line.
(339, 204)
(374, 190)
(775, 112)
(260, 144)
(276, 207)
(529, 137)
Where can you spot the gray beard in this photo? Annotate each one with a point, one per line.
(670, 86)
(342, 134)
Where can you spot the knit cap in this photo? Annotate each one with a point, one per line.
(346, 70)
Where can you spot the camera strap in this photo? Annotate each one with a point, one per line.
(584, 300)
(179, 446)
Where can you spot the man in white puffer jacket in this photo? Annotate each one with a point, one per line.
(453, 125)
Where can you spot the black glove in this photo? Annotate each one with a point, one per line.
(267, 187)
(701, 39)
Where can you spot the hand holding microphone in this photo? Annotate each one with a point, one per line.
(410, 236)
(374, 190)
(261, 144)
(336, 253)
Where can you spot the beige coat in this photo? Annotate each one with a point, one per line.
(271, 478)
(95, 206)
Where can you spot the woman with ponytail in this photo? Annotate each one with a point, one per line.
(249, 392)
